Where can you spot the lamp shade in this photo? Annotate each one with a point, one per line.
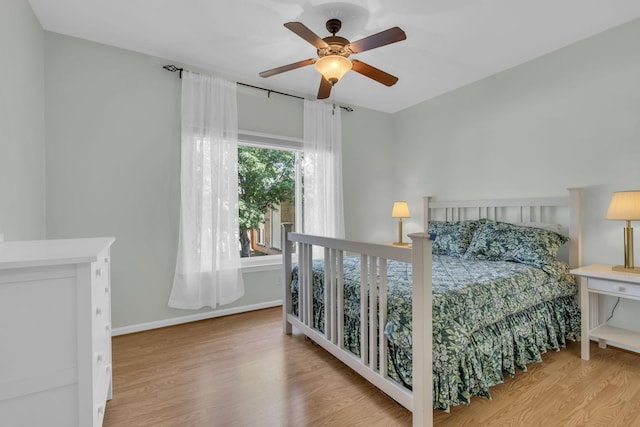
(333, 67)
(625, 205)
(400, 210)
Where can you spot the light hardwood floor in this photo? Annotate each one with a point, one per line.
(242, 371)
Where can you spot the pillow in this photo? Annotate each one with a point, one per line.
(502, 241)
(451, 237)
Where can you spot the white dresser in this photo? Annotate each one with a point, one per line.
(55, 332)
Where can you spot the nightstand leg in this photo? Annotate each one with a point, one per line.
(585, 309)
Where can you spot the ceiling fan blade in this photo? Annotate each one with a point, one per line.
(289, 67)
(383, 38)
(303, 31)
(325, 88)
(373, 73)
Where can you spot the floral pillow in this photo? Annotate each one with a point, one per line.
(502, 241)
(451, 237)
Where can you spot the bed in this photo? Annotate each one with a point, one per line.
(440, 328)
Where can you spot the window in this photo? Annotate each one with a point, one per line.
(269, 186)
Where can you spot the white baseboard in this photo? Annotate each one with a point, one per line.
(192, 318)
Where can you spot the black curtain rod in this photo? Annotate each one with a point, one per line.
(173, 69)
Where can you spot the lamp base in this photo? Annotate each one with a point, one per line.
(622, 268)
(401, 244)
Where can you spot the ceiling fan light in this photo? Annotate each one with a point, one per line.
(333, 67)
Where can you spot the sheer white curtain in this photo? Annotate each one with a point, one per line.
(208, 263)
(322, 170)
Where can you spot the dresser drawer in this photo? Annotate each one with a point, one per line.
(614, 287)
(100, 292)
(101, 309)
(101, 358)
(100, 280)
(103, 379)
(101, 337)
(101, 391)
(100, 322)
(98, 413)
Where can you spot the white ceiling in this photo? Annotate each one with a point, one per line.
(450, 43)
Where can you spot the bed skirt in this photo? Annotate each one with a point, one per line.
(504, 346)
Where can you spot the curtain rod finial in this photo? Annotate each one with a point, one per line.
(173, 69)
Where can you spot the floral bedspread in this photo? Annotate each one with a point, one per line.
(489, 317)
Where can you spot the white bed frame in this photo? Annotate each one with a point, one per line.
(374, 259)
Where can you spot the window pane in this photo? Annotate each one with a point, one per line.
(266, 184)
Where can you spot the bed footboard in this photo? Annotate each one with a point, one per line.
(372, 361)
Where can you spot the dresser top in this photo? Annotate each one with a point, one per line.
(37, 253)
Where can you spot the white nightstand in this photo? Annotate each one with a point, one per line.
(600, 280)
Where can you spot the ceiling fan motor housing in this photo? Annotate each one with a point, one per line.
(336, 46)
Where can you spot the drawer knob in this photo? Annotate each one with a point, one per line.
(107, 327)
(99, 358)
(621, 289)
(106, 260)
(98, 272)
(106, 291)
(98, 312)
(100, 410)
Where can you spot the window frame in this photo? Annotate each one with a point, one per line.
(276, 142)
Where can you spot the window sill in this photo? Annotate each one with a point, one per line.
(258, 264)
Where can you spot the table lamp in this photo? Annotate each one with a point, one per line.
(400, 210)
(625, 206)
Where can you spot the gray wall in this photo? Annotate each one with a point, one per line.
(113, 165)
(22, 149)
(570, 118)
(367, 150)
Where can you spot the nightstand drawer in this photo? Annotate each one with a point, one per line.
(612, 286)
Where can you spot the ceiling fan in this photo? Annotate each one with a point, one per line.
(333, 53)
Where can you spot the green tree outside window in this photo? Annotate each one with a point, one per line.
(266, 178)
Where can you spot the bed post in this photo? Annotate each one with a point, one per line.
(575, 227)
(422, 331)
(286, 278)
(426, 212)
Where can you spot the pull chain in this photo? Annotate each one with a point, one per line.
(333, 95)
